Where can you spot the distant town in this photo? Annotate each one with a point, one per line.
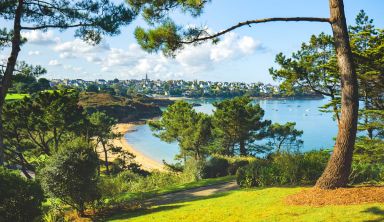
(195, 88)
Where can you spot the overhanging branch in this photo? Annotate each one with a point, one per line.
(265, 20)
(57, 26)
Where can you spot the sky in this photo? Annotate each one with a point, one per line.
(244, 55)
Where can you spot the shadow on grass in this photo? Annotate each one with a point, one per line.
(375, 211)
(160, 207)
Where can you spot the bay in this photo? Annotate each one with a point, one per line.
(319, 128)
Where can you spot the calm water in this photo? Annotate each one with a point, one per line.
(319, 128)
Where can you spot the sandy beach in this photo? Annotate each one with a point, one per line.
(146, 162)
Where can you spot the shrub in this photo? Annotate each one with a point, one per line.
(236, 164)
(71, 175)
(284, 168)
(257, 173)
(216, 167)
(114, 185)
(193, 170)
(20, 199)
(366, 172)
(313, 165)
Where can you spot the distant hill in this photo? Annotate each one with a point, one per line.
(123, 109)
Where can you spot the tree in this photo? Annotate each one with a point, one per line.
(284, 136)
(20, 199)
(367, 42)
(92, 88)
(168, 37)
(37, 126)
(91, 18)
(238, 124)
(313, 67)
(70, 175)
(181, 123)
(102, 131)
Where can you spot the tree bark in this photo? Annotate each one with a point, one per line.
(243, 151)
(106, 158)
(11, 63)
(339, 166)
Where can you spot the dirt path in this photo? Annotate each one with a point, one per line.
(192, 194)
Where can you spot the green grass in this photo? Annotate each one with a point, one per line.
(252, 205)
(175, 188)
(15, 96)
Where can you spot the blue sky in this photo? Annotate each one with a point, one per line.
(244, 55)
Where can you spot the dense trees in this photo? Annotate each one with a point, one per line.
(235, 128)
(90, 18)
(238, 125)
(168, 37)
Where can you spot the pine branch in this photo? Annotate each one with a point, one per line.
(257, 21)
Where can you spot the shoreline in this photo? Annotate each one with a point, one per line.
(146, 162)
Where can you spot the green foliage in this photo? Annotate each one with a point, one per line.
(166, 35)
(284, 136)
(216, 167)
(91, 18)
(367, 173)
(368, 150)
(42, 122)
(368, 161)
(238, 124)
(284, 168)
(70, 175)
(181, 123)
(163, 38)
(101, 130)
(20, 199)
(312, 67)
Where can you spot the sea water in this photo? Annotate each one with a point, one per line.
(319, 128)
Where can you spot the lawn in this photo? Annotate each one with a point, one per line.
(252, 205)
(15, 96)
(175, 188)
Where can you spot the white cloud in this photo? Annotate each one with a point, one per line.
(133, 62)
(248, 45)
(31, 53)
(78, 49)
(54, 62)
(40, 38)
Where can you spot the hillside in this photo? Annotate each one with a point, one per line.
(123, 109)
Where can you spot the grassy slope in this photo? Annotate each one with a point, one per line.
(253, 205)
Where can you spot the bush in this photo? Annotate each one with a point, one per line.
(20, 199)
(114, 185)
(216, 167)
(313, 165)
(257, 174)
(366, 172)
(283, 168)
(236, 164)
(193, 170)
(71, 175)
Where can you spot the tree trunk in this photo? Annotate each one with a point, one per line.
(11, 63)
(243, 151)
(339, 166)
(106, 159)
